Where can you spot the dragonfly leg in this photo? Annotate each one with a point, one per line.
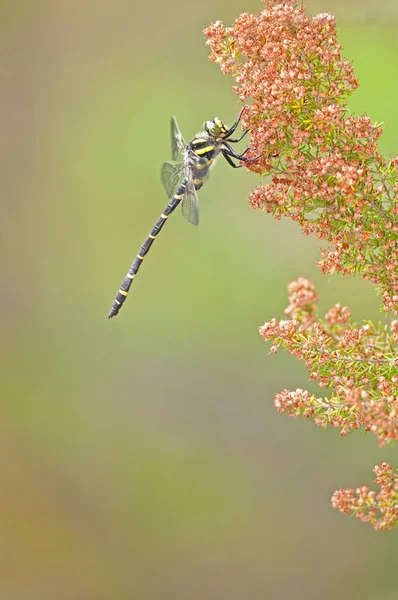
(232, 152)
(234, 126)
(228, 151)
(250, 159)
(240, 138)
(227, 157)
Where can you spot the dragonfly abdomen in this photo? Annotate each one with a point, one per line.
(137, 262)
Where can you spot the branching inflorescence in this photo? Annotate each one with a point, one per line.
(328, 175)
(327, 172)
(359, 365)
(381, 509)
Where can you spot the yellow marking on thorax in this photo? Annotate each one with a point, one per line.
(205, 165)
(123, 293)
(204, 150)
(198, 141)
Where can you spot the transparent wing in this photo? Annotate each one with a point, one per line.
(172, 175)
(190, 208)
(190, 205)
(178, 144)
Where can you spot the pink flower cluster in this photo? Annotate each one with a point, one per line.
(381, 510)
(327, 174)
(358, 364)
(326, 171)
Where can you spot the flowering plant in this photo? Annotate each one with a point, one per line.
(327, 174)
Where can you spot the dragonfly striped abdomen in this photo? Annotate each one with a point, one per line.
(181, 179)
(132, 272)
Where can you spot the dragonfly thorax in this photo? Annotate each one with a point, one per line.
(201, 153)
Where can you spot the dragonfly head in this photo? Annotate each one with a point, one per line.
(216, 128)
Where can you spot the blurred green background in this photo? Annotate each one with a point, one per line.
(142, 457)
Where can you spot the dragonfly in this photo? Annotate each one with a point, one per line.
(182, 178)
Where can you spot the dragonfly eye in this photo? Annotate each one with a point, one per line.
(215, 127)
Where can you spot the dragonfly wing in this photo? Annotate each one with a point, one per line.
(172, 175)
(178, 143)
(190, 205)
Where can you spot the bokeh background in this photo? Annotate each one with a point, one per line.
(142, 457)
